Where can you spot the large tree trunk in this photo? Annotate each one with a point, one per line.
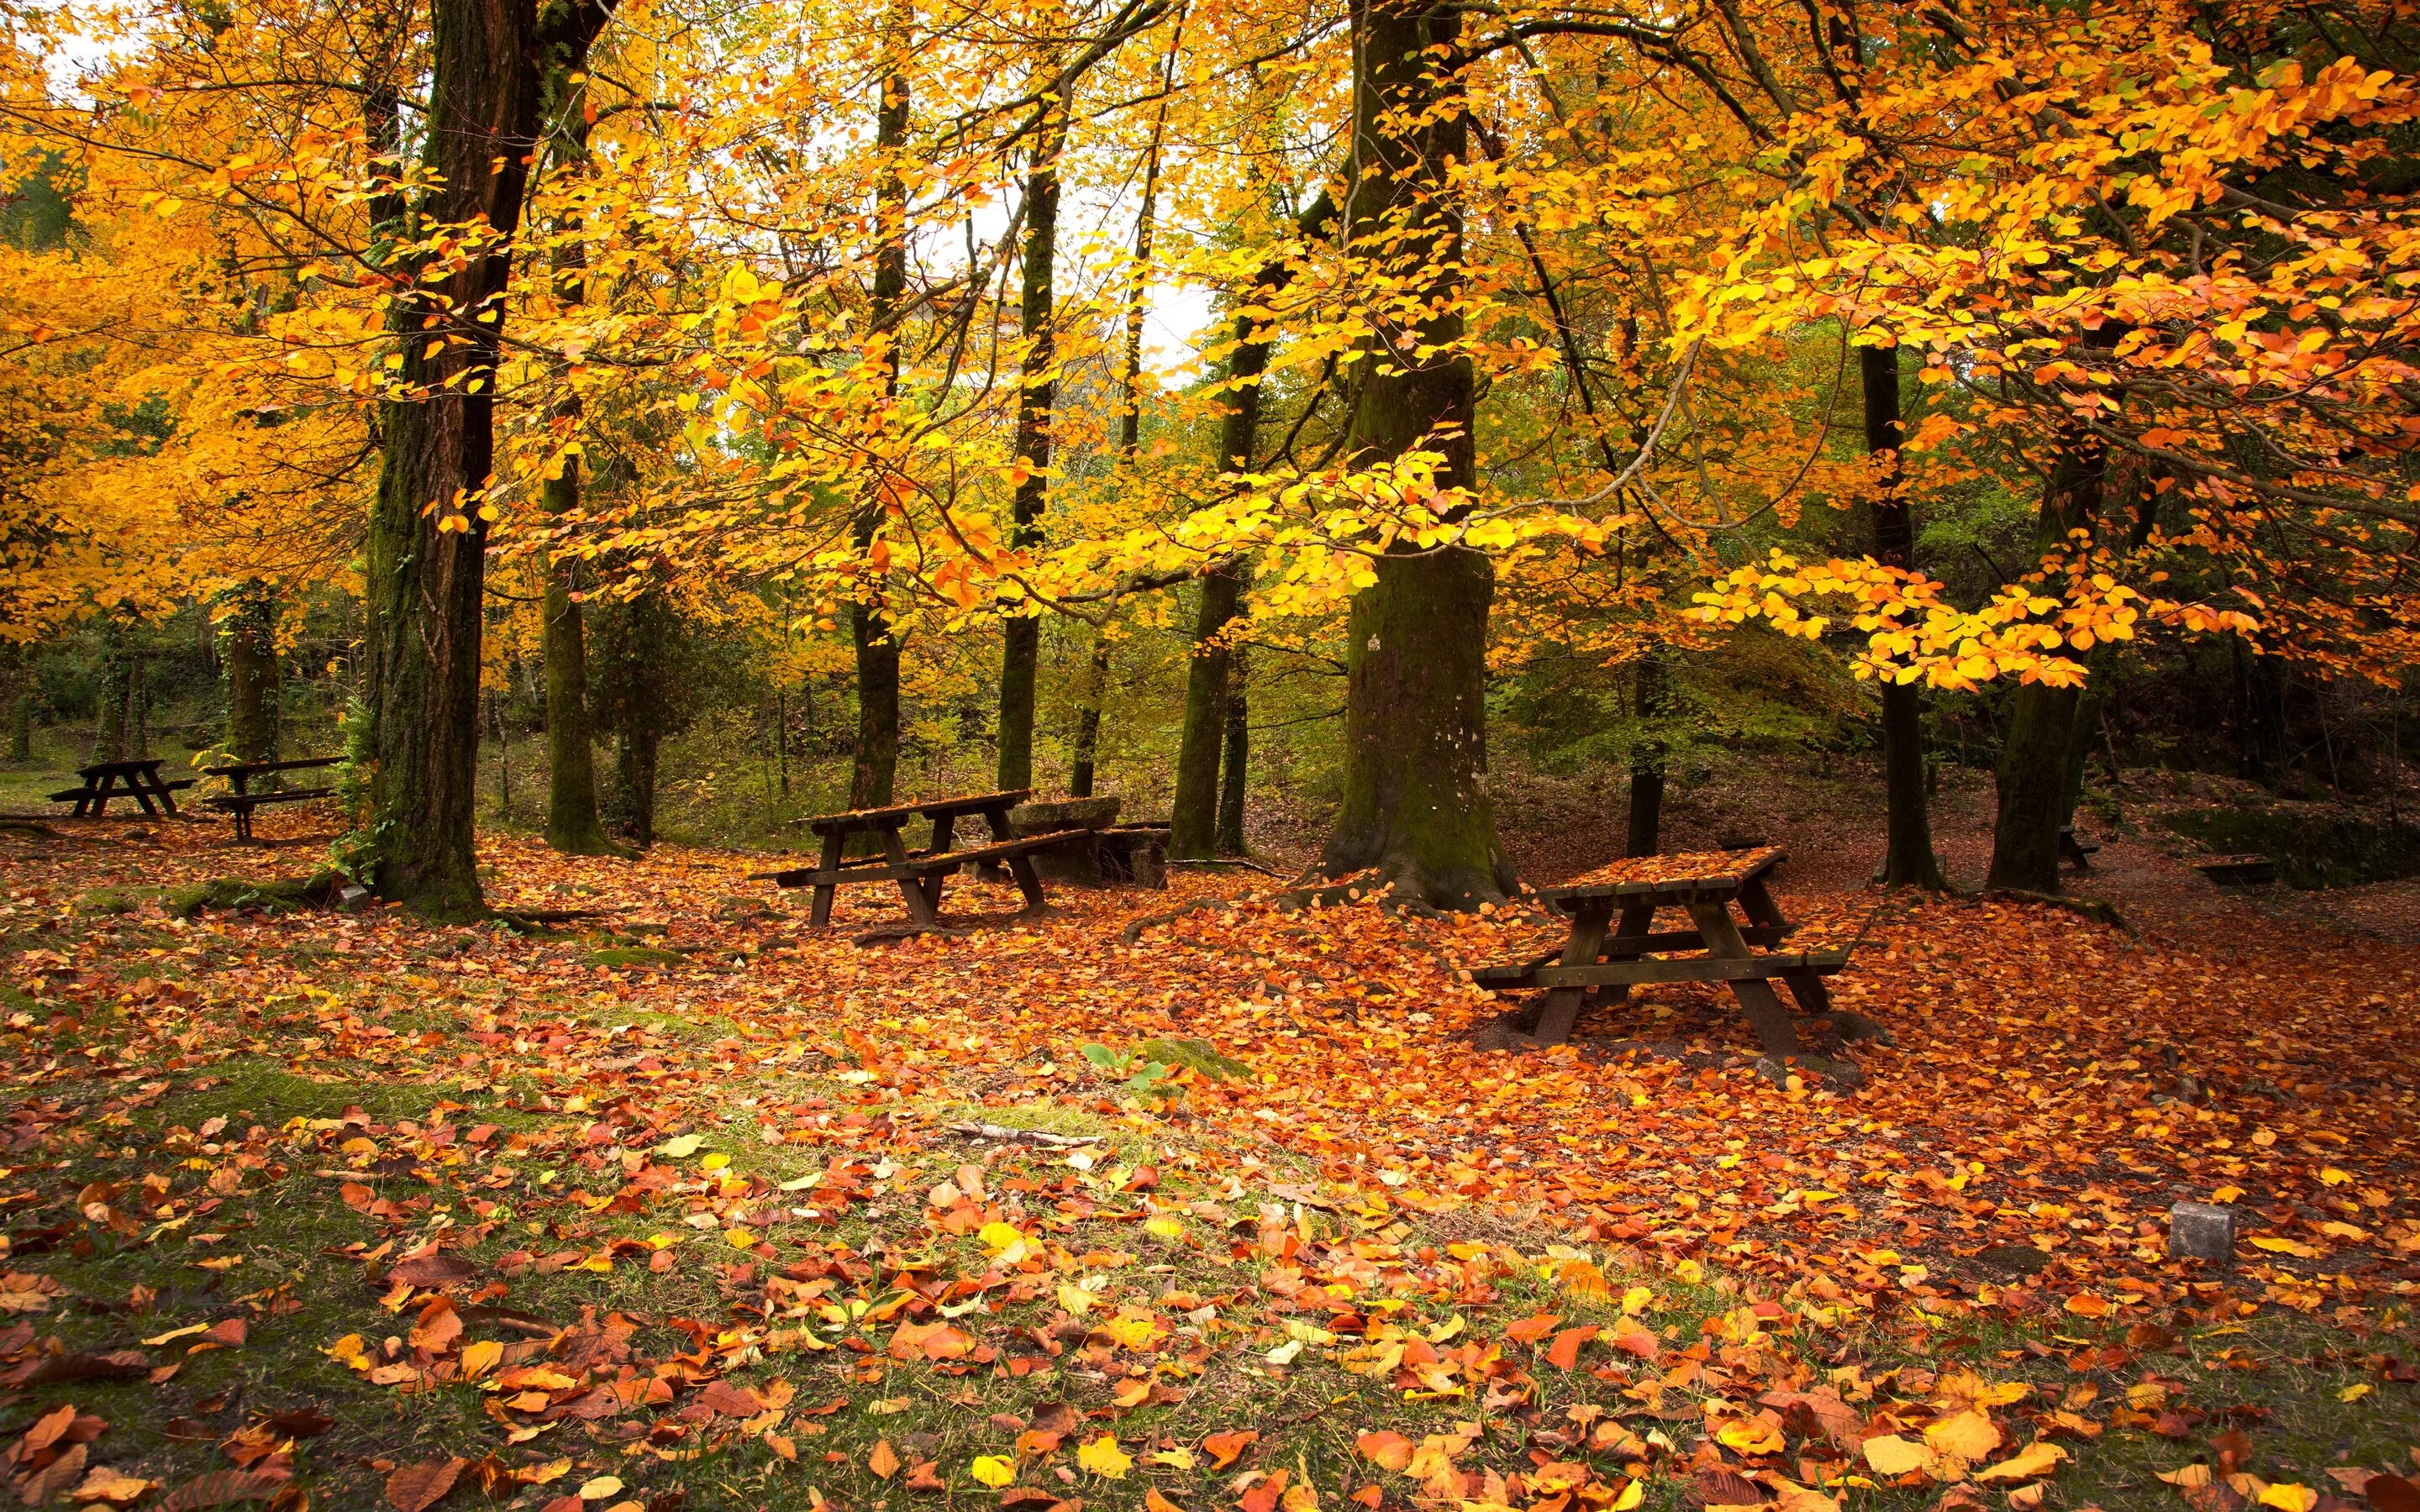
(875, 768)
(119, 672)
(248, 642)
(1193, 817)
(426, 546)
(1037, 397)
(1415, 805)
(2041, 718)
(1908, 859)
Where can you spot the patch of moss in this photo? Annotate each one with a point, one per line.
(277, 895)
(623, 956)
(1200, 1056)
(114, 900)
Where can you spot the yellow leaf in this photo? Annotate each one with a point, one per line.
(994, 1471)
(480, 1358)
(1750, 1436)
(602, 1487)
(680, 1149)
(1103, 1457)
(715, 1162)
(2353, 1392)
(1969, 1436)
(2037, 1459)
(2334, 1177)
(2287, 1498)
(997, 1235)
(2285, 1246)
(1074, 1299)
(1635, 1301)
(1164, 1228)
(1890, 1455)
(1631, 1496)
(741, 1238)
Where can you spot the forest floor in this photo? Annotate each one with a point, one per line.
(680, 1205)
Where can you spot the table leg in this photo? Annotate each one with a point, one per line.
(166, 795)
(912, 890)
(1638, 921)
(1029, 882)
(1756, 999)
(945, 834)
(1562, 1005)
(1757, 901)
(819, 912)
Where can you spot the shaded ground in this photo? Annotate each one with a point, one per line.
(469, 1152)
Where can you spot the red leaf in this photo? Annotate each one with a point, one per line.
(1530, 1330)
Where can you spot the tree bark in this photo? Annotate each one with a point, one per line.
(1235, 762)
(2041, 718)
(426, 540)
(874, 768)
(1908, 859)
(248, 642)
(1037, 398)
(1415, 805)
(1193, 816)
(1646, 833)
(119, 672)
(1087, 719)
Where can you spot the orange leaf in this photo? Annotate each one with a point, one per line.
(415, 1487)
(1530, 1330)
(884, 1460)
(1225, 1448)
(1385, 1450)
(1565, 1353)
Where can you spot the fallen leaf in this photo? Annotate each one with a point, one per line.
(1890, 1455)
(1103, 1457)
(413, 1488)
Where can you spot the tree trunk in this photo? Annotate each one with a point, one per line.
(20, 724)
(117, 675)
(1908, 859)
(1193, 818)
(248, 642)
(1235, 762)
(2041, 718)
(426, 541)
(572, 826)
(1087, 719)
(1415, 805)
(634, 774)
(1646, 836)
(874, 768)
(1037, 397)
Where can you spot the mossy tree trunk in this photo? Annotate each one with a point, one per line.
(1037, 398)
(248, 645)
(1193, 815)
(874, 768)
(426, 541)
(1087, 719)
(1416, 806)
(1908, 859)
(120, 670)
(1234, 762)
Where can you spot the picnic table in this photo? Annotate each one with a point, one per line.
(1705, 885)
(137, 779)
(242, 800)
(919, 874)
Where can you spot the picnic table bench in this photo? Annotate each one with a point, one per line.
(919, 874)
(242, 800)
(1705, 885)
(137, 779)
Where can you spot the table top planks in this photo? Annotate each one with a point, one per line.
(1688, 874)
(865, 820)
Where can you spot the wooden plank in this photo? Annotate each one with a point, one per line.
(1756, 900)
(1562, 1005)
(1005, 799)
(1693, 968)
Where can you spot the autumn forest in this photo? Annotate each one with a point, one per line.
(1460, 754)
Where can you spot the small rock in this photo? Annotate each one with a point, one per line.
(354, 898)
(2202, 1231)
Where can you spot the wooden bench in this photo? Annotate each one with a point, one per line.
(1600, 954)
(919, 874)
(2077, 851)
(242, 801)
(137, 779)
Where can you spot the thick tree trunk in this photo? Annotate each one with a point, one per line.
(573, 824)
(1908, 859)
(1088, 720)
(427, 544)
(1038, 396)
(248, 643)
(634, 776)
(2041, 718)
(21, 723)
(1235, 762)
(874, 770)
(1646, 834)
(118, 672)
(1415, 805)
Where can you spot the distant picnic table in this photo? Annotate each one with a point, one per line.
(242, 800)
(137, 779)
(1705, 885)
(919, 873)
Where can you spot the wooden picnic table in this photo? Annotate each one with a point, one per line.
(137, 779)
(1705, 885)
(242, 800)
(919, 874)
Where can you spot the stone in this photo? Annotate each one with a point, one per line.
(2202, 1231)
(1063, 813)
(354, 898)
